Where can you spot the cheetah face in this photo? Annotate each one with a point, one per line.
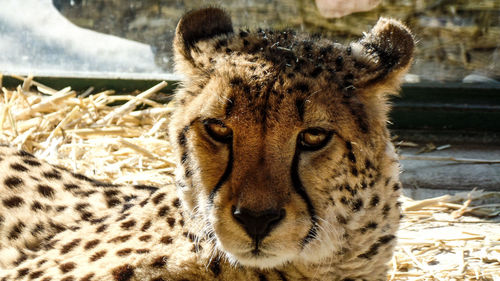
(282, 145)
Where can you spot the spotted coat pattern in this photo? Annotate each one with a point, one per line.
(285, 170)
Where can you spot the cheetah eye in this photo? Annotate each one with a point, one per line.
(217, 130)
(313, 138)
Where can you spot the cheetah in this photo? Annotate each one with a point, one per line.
(285, 170)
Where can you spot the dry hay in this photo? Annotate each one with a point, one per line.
(453, 237)
(85, 134)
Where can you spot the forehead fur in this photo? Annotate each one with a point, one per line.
(267, 56)
(260, 70)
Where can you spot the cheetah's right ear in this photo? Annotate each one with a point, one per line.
(196, 26)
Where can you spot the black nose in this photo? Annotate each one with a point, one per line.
(258, 224)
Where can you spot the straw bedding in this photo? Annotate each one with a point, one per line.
(453, 237)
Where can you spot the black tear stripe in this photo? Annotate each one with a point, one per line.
(299, 188)
(224, 177)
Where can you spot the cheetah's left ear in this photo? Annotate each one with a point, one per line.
(196, 26)
(386, 52)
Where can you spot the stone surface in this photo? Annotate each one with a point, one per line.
(450, 175)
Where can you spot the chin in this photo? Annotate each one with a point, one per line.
(261, 260)
(269, 255)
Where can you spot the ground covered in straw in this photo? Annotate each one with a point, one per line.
(453, 237)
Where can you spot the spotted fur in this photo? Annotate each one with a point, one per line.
(254, 199)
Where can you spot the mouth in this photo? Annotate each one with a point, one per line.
(256, 258)
(256, 251)
(258, 254)
(259, 257)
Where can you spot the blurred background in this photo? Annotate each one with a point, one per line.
(458, 40)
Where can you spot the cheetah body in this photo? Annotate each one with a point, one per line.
(285, 170)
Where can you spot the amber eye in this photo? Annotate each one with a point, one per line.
(218, 130)
(314, 138)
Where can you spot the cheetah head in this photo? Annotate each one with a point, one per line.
(281, 138)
